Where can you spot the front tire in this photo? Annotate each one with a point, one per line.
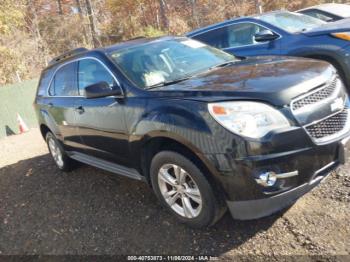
(183, 189)
(62, 161)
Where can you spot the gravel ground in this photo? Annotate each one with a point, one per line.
(89, 211)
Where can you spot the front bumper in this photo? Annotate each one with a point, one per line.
(253, 209)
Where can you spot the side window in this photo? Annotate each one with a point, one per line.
(64, 82)
(235, 35)
(242, 34)
(216, 37)
(91, 72)
(44, 82)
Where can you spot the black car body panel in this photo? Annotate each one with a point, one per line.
(255, 78)
(120, 130)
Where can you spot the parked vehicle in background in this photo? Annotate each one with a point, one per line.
(206, 130)
(282, 33)
(328, 12)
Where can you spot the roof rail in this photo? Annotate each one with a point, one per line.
(67, 54)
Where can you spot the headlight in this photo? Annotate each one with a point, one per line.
(342, 35)
(250, 119)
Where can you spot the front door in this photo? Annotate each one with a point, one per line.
(100, 121)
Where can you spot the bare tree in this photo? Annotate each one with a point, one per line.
(34, 29)
(194, 12)
(258, 6)
(59, 7)
(163, 17)
(92, 24)
(80, 12)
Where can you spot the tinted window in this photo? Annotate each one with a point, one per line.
(64, 82)
(91, 72)
(242, 34)
(44, 82)
(235, 35)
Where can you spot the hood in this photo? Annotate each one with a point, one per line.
(276, 80)
(333, 27)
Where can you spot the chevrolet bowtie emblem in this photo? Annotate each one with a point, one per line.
(337, 104)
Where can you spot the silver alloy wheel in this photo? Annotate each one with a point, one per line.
(179, 190)
(55, 152)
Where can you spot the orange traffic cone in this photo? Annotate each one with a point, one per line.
(22, 126)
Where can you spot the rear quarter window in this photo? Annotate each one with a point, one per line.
(44, 82)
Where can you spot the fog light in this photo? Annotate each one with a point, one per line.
(267, 179)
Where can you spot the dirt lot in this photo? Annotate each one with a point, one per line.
(88, 211)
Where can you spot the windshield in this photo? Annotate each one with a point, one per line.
(166, 61)
(292, 22)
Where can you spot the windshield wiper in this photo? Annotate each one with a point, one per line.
(166, 83)
(223, 64)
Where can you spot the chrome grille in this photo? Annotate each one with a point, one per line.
(317, 96)
(329, 126)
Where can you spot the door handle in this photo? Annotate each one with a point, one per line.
(80, 109)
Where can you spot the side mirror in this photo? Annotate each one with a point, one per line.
(265, 36)
(101, 89)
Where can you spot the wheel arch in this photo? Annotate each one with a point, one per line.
(44, 129)
(169, 142)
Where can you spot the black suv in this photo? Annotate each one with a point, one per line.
(206, 130)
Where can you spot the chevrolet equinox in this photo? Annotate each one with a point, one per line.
(206, 130)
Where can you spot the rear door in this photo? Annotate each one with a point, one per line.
(63, 94)
(238, 39)
(101, 122)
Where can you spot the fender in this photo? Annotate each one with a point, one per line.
(179, 124)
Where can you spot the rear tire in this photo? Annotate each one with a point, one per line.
(183, 189)
(60, 157)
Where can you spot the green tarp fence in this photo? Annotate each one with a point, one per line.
(17, 98)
